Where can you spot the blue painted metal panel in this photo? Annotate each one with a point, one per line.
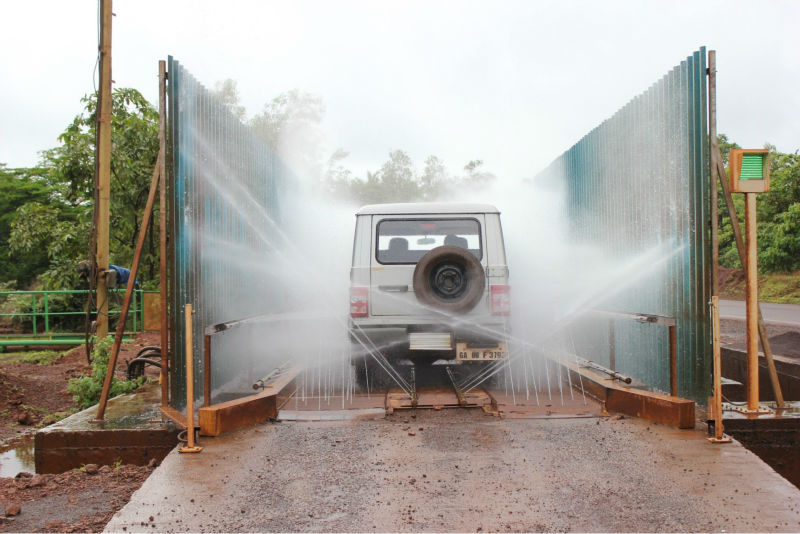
(639, 183)
(225, 186)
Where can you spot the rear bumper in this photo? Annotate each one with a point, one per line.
(423, 340)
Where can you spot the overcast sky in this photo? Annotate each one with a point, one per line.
(512, 83)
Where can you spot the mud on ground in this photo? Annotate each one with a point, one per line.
(85, 500)
(33, 395)
(80, 500)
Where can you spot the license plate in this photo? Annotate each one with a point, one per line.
(483, 354)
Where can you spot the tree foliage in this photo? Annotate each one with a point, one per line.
(57, 223)
(778, 213)
(291, 124)
(17, 188)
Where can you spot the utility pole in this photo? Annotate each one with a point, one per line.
(103, 155)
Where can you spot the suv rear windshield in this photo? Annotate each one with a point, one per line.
(407, 240)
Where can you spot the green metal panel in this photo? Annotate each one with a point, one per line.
(638, 184)
(752, 167)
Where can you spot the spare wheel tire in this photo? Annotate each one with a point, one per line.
(449, 279)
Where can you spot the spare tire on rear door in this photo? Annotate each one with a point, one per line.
(450, 279)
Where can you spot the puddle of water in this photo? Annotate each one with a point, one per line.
(16, 456)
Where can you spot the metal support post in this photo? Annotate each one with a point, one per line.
(207, 370)
(162, 228)
(612, 348)
(673, 361)
(712, 133)
(191, 447)
(716, 403)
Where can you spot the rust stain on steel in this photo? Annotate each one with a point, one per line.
(232, 415)
(656, 407)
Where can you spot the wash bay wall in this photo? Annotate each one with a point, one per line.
(637, 185)
(225, 190)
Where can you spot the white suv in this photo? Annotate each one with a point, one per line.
(429, 281)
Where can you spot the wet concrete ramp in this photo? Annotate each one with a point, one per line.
(462, 470)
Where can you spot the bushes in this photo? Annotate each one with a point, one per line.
(87, 389)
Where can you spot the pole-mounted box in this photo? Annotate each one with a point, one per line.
(749, 170)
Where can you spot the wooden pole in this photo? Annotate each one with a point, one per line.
(103, 168)
(737, 234)
(189, 386)
(752, 301)
(162, 228)
(123, 315)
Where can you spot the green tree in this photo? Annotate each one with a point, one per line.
(778, 215)
(725, 146)
(69, 169)
(779, 242)
(397, 178)
(18, 187)
(228, 93)
(291, 123)
(59, 231)
(433, 179)
(476, 177)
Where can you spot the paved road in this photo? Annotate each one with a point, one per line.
(462, 471)
(778, 314)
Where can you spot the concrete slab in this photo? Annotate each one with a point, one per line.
(463, 470)
(133, 433)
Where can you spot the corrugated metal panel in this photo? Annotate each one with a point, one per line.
(638, 187)
(225, 185)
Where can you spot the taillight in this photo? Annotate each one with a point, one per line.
(359, 302)
(501, 300)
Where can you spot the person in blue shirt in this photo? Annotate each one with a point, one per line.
(123, 274)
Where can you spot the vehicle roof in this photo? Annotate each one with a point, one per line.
(428, 208)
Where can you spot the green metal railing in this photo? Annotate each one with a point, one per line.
(42, 316)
